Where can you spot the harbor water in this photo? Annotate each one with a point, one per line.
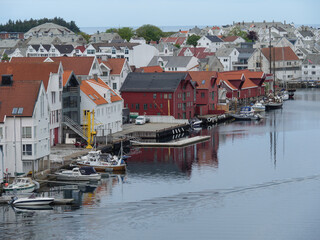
(252, 180)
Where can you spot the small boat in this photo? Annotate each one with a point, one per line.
(22, 185)
(258, 107)
(78, 174)
(195, 123)
(246, 114)
(31, 201)
(112, 165)
(92, 156)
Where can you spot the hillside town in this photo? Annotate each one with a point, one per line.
(51, 78)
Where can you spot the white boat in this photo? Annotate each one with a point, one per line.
(258, 107)
(22, 185)
(114, 164)
(92, 156)
(32, 201)
(78, 174)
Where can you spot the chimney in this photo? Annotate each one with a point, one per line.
(98, 32)
(284, 22)
(95, 76)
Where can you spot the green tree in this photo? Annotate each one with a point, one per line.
(177, 45)
(5, 57)
(85, 36)
(149, 32)
(193, 40)
(112, 30)
(252, 35)
(126, 33)
(236, 31)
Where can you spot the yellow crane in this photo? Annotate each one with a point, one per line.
(88, 127)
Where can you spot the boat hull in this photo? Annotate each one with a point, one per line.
(94, 177)
(106, 168)
(33, 201)
(27, 189)
(273, 106)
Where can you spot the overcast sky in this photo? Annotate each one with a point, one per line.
(122, 13)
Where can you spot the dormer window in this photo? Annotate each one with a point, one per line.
(113, 51)
(126, 51)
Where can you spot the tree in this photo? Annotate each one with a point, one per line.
(149, 32)
(177, 45)
(252, 35)
(193, 40)
(236, 31)
(112, 30)
(85, 36)
(5, 57)
(126, 33)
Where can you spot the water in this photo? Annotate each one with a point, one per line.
(252, 180)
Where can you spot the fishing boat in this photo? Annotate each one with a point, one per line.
(113, 165)
(78, 174)
(22, 185)
(274, 103)
(31, 201)
(258, 107)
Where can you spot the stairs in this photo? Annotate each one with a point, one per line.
(74, 126)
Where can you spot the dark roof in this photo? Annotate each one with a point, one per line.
(214, 38)
(115, 45)
(37, 46)
(64, 49)
(152, 82)
(306, 33)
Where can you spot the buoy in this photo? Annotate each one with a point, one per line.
(6, 184)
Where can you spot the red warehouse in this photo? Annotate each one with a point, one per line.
(167, 94)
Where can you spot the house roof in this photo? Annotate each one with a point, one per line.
(89, 87)
(66, 76)
(279, 54)
(64, 48)
(312, 59)
(79, 65)
(230, 38)
(214, 38)
(172, 61)
(229, 77)
(150, 69)
(224, 52)
(199, 52)
(116, 65)
(117, 46)
(203, 78)
(153, 82)
(30, 71)
(306, 33)
(22, 94)
(81, 48)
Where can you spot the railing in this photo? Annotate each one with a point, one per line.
(74, 126)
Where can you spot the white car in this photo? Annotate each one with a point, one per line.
(141, 120)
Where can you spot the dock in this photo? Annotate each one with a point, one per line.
(180, 143)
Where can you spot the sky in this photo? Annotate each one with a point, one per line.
(135, 13)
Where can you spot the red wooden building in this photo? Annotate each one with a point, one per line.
(167, 94)
(207, 91)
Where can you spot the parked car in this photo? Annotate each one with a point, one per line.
(141, 120)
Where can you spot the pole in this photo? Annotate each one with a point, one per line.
(2, 164)
(15, 147)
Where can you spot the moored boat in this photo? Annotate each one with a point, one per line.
(78, 174)
(258, 107)
(22, 185)
(246, 114)
(32, 201)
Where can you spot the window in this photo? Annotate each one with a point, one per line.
(90, 51)
(305, 66)
(154, 96)
(258, 64)
(27, 149)
(114, 86)
(313, 66)
(225, 60)
(53, 97)
(170, 96)
(184, 96)
(137, 106)
(305, 72)
(165, 96)
(126, 51)
(26, 132)
(145, 106)
(188, 94)
(105, 74)
(1, 133)
(288, 63)
(202, 95)
(212, 96)
(313, 73)
(113, 51)
(161, 105)
(150, 105)
(60, 96)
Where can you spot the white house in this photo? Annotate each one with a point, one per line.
(311, 68)
(24, 126)
(211, 42)
(175, 63)
(227, 56)
(284, 63)
(142, 54)
(106, 103)
(114, 72)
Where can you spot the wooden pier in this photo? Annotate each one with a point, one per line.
(180, 143)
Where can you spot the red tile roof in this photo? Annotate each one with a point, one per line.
(22, 94)
(280, 54)
(88, 88)
(66, 76)
(230, 38)
(199, 52)
(203, 78)
(229, 77)
(79, 65)
(115, 64)
(81, 48)
(30, 71)
(150, 69)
